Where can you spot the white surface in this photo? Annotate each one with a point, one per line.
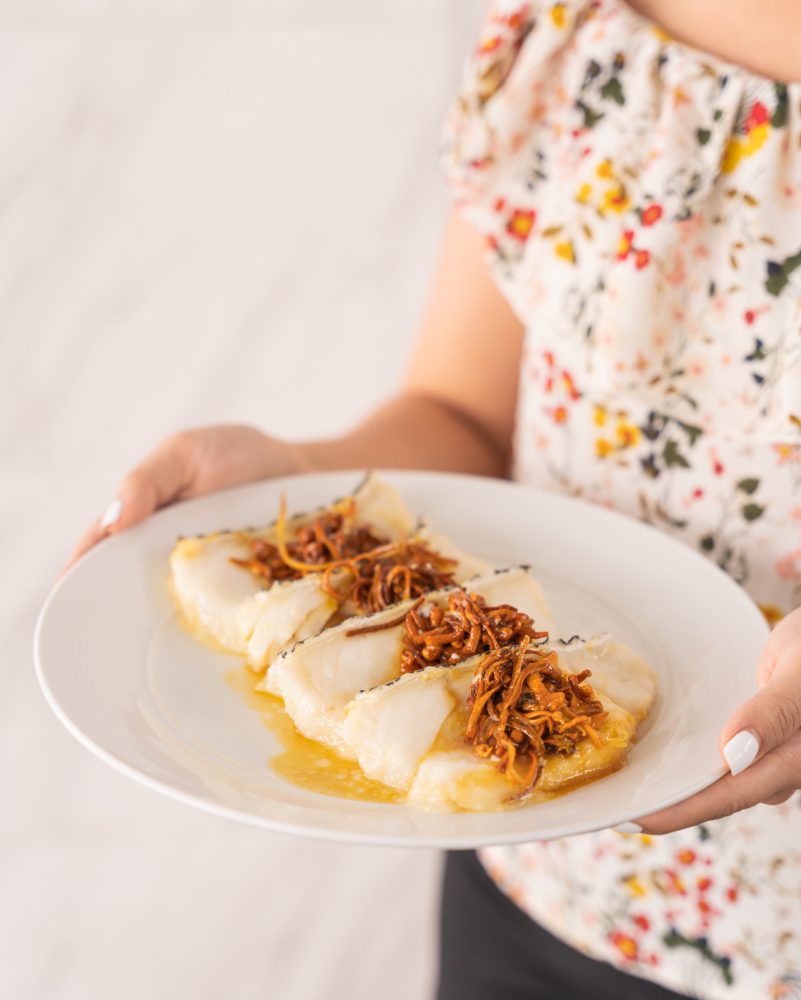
(164, 716)
(195, 196)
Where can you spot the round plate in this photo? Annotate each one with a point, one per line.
(133, 687)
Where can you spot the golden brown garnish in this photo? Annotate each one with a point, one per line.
(523, 708)
(356, 565)
(467, 626)
(388, 575)
(330, 537)
(435, 636)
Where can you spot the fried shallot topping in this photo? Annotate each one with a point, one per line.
(399, 571)
(331, 536)
(523, 708)
(356, 565)
(439, 636)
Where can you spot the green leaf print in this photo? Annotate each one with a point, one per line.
(673, 456)
(779, 273)
(779, 117)
(673, 939)
(591, 118)
(613, 91)
(707, 543)
(692, 431)
(703, 135)
(753, 511)
(749, 486)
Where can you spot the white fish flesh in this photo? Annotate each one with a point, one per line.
(317, 678)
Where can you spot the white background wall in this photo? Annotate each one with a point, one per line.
(220, 210)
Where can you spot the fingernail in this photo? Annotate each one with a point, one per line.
(741, 750)
(628, 827)
(111, 514)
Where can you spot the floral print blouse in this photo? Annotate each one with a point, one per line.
(641, 205)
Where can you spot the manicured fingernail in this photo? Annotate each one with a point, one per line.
(628, 827)
(741, 750)
(111, 514)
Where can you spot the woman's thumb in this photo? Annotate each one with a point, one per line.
(764, 722)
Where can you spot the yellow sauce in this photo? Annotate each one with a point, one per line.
(303, 762)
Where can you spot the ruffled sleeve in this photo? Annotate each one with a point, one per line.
(496, 106)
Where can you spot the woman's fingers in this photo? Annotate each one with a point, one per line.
(772, 779)
(773, 715)
(88, 540)
(761, 742)
(161, 478)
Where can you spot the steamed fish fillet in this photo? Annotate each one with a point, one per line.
(409, 734)
(317, 678)
(617, 671)
(452, 777)
(389, 729)
(226, 607)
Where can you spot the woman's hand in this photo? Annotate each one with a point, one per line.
(187, 465)
(761, 742)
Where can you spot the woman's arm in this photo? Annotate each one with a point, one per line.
(455, 411)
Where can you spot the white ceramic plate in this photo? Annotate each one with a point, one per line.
(135, 689)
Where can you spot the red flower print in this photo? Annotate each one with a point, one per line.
(758, 115)
(651, 215)
(520, 224)
(500, 204)
(570, 385)
(625, 944)
(642, 259)
(559, 414)
(750, 316)
(625, 244)
(731, 894)
(704, 883)
(515, 18)
(675, 883)
(687, 856)
(642, 921)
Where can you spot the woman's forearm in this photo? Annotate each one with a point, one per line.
(412, 432)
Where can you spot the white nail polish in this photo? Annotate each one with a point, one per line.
(629, 827)
(741, 750)
(112, 514)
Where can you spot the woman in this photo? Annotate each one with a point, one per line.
(635, 340)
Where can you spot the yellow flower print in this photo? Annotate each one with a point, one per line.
(565, 251)
(599, 416)
(661, 34)
(604, 170)
(558, 15)
(627, 434)
(584, 194)
(603, 447)
(635, 886)
(625, 244)
(757, 130)
(615, 199)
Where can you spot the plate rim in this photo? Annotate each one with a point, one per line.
(457, 841)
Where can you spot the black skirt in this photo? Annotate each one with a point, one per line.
(490, 950)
